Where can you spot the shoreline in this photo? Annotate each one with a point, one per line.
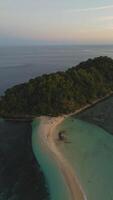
(90, 105)
(29, 118)
(47, 130)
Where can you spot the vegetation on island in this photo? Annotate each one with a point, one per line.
(60, 92)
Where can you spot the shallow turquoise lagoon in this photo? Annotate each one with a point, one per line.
(55, 181)
(90, 151)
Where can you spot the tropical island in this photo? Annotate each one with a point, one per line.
(61, 92)
(57, 96)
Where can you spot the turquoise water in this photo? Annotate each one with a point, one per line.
(55, 182)
(90, 151)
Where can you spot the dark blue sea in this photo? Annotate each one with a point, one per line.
(19, 64)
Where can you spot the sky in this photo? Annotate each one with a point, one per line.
(56, 22)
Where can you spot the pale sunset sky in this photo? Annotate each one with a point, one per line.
(56, 22)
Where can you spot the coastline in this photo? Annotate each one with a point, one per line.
(47, 129)
(30, 118)
(90, 105)
(64, 167)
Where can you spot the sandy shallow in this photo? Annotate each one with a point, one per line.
(47, 129)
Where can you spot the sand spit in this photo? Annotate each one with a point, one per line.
(47, 129)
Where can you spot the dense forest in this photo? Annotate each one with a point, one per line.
(60, 92)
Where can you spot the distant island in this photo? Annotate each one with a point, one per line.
(61, 92)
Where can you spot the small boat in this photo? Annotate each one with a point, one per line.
(61, 136)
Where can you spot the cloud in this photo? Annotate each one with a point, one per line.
(107, 18)
(91, 9)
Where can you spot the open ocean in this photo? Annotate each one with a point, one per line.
(19, 64)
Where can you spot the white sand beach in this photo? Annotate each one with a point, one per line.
(47, 130)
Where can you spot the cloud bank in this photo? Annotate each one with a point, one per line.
(91, 9)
